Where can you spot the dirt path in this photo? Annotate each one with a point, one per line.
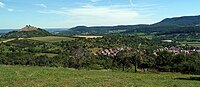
(8, 40)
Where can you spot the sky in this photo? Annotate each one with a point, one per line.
(15, 14)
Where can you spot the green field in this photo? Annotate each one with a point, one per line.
(52, 38)
(195, 44)
(47, 54)
(94, 50)
(147, 36)
(28, 76)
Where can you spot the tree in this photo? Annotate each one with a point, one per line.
(191, 65)
(164, 61)
(42, 60)
(127, 58)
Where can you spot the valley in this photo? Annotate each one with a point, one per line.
(166, 53)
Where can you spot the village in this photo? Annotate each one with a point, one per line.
(176, 50)
(112, 51)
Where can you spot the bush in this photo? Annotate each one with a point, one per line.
(53, 65)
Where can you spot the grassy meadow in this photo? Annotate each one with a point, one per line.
(29, 76)
(52, 38)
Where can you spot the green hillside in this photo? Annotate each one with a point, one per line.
(180, 21)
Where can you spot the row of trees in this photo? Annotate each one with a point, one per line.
(164, 62)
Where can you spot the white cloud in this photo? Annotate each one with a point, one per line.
(91, 15)
(95, 0)
(2, 5)
(10, 10)
(53, 12)
(41, 5)
(103, 12)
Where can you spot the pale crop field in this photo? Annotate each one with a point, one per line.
(52, 38)
(87, 37)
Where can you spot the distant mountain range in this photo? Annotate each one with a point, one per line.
(173, 27)
(164, 25)
(2, 31)
(56, 29)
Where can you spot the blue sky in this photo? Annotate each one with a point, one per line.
(70, 13)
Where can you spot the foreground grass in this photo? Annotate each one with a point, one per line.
(52, 39)
(27, 76)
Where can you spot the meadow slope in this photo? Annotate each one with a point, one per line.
(27, 76)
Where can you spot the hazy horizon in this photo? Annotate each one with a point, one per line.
(15, 14)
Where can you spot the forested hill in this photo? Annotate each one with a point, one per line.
(184, 21)
(27, 31)
(164, 25)
(98, 30)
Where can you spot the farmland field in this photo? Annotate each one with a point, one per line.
(94, 50)
(47, 54)
(147, 36)
(195, 44)
(87, 37)
(26, 76)
(52, 38)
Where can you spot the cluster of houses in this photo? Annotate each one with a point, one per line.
(176, 50)
(112, 51)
